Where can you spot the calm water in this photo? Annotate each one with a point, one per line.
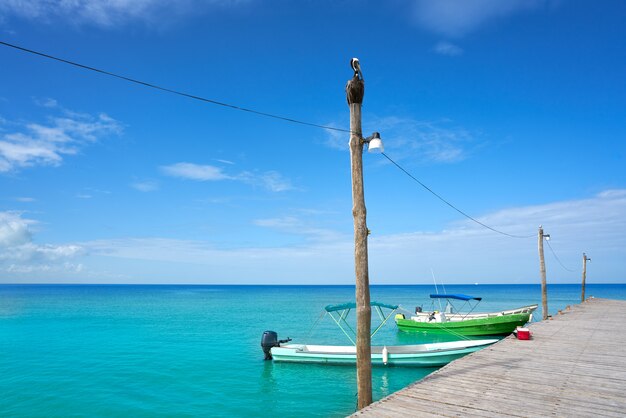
(195, 350)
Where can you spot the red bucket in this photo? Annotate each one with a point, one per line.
(523, 333)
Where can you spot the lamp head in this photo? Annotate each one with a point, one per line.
(374, 143)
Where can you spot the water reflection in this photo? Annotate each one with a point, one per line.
(283, 386)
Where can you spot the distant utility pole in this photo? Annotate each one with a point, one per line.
(542, 268)
(585, 259)
(355, 90)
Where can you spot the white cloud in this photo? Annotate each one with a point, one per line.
(297, 226)
(107, 13)
(55, 253)
(270, 180)
(24, 199)
(226, 162)
(198, 262)
(407, 138)
(336, 139)
(145, 186)
(462, 253)
(457, 18)
(63, 268)
(612, 194)
(447, 48)
(47, 102)
(426, 141)
(13, 229)
(197, 172)
(38, 144)
(465, 251)
(19, 254)
(287, 222)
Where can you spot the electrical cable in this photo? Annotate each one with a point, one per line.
(557, 258)
(168, 90)
(244, 109)
(450, 204)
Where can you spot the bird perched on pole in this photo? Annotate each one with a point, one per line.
(356, 66)
(355, 89)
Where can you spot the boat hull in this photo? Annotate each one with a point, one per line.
(490, 325)
(423, 355)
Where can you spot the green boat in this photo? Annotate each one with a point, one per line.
(453, 322)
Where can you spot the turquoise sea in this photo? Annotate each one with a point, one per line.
(110, 351)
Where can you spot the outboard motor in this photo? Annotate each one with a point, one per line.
(269, 340)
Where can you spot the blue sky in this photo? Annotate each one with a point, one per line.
(511, 110)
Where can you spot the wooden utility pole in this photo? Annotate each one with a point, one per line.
(355, 90)
(585, 259)
(542, 268)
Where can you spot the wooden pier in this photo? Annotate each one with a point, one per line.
(574, 365)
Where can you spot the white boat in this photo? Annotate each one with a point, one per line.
(420, 355)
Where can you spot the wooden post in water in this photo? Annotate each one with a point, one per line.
(542, 268)
(355, 90)
(585, 259)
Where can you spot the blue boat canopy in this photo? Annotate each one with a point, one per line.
(454, 296)
(352, 305)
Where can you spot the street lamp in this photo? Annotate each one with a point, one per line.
(374, 143)
(585, 259)
(542, 270)
(355, 89)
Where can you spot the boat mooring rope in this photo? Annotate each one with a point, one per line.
(319, 318)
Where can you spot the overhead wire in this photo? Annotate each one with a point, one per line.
(248, 110)
(557, 258)
(450, 204)
(168, 90)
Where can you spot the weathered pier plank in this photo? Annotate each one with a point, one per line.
(575, 365)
